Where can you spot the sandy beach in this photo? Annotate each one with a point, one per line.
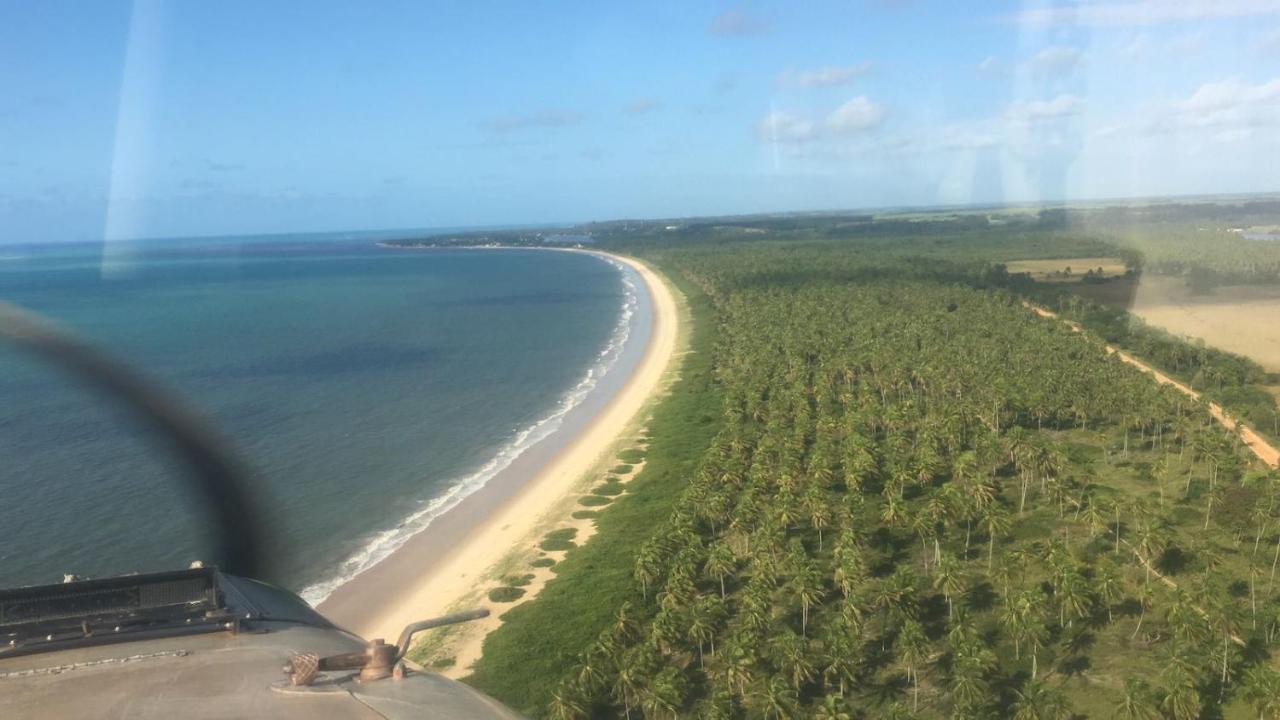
(448, 561)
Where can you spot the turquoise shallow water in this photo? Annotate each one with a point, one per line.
(360, 383)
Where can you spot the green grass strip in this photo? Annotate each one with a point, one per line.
(525, 658)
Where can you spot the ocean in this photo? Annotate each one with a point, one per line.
(367, 388)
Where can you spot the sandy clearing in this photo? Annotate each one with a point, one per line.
(1261, 448)
(1240, 319)
(1044, 269)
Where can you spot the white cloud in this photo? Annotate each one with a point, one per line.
(1056, 59)
(960, 138)
(1271, 41)
(990, 65)
(549, 117)
(1138, 47)
(1142, 12)
(1231, 103)
(1033, 110)
(1189, 44)
(1232, 135)
(829, 76)
(641, 106)
(1144, 47)
(784, 127)
(1225, 111)
(1230, 93)
(737, 22)
(856, 115)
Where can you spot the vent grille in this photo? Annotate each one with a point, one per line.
(119, 598)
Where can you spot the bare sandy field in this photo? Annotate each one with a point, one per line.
(1242, 319)
(1045, 269)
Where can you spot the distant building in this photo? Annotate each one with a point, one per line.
(568, 239)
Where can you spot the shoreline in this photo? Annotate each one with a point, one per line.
(448, 561)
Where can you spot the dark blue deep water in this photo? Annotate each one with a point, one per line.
(360, 383)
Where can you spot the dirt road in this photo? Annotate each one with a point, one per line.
(1266, 452)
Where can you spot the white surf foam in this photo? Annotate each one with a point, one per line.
(383, 543)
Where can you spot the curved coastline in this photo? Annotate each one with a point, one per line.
(444, 560)
(616, 359)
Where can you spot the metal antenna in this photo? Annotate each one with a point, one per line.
(218, 480)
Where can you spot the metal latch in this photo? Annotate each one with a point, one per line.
(378, 660)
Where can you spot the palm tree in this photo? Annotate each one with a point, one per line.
(832, 707)
(1021, 618)
(1261, 689)
(1003, 575)
(898, 593)
(949, 579)
(624, 622)
(739, 671)
(850, 570)
(913, 650)
(567, 703)
(1093, 514)
(971, 660)
(1182, 702)
(969, 689)
(648, 568)
(1138, 701)
(703, 617)
(808, 590)
(589, 673)
(841, 662)
(994, 521)
(664, 695)
(721, 562)
(790, 653)
(777, 700)
(1074, 600)
(1145, 598)
(817, 504)
(1221, 612)
(1038, 701)
(1108, 586)
(1182, 695)
(628, 686)
(1215, 494)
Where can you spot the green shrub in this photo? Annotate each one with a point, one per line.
(505, 594)
(622, 469)
(608, 489)
(517, 580)
(445, 662)
(593, 500)
(585, 514)
(632, 456)
(559, 540)
(543, 562)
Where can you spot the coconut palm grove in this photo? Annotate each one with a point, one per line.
(884, 486)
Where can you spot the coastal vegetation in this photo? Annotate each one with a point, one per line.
(885, 487)
(505, 594)
(558, 540)
(525, 658)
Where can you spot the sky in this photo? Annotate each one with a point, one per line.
(160, 119)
